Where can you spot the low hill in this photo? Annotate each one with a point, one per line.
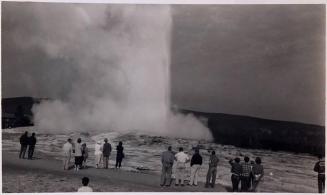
(252, 132)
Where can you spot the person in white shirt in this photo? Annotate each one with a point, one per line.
(181, 159)
(78, 154)
(67, 152)
(98, 154)
(85, 187)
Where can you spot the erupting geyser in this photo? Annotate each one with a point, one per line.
(119, 59)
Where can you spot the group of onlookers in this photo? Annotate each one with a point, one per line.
(168, 157)
(102, 152)
(27, 141)
(249, 174)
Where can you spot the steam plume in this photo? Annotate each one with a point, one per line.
(120, 57)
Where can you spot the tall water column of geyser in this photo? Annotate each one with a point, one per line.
(121, 60)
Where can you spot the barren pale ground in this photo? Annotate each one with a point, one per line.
(284, 171)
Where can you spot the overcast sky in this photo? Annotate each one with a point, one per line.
(266, 61)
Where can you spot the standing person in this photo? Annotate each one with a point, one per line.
(196, 163)
(212, 171)
(120, 154)
(23, 144)
(320, 169)
(245, 176)
(78, 155)
(31, 146)
(251, 180)
(85, 154)
(181, 159)
(85, 187)
(106, 153)
(257, 172)
(167, 161)
(67, 151)
(236, 171)
(98, 154)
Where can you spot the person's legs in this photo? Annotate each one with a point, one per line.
(80, 161)
(163, 175)
(248, 183)
(321, 183)
(234, 183)
(168, 175)
(30, 152)
(22, 151)
(97, 156)
(196, 175)
(243, 184)
(192, 174)
(66, 162)
(177, 176)
(254, 186)
(105, 161)
(214, 173)
(182, 175)
(77, 162)
(208, 177)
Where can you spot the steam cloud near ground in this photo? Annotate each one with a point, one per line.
(120, 57)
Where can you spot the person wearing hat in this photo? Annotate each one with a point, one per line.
(106, 151)
(98, 153)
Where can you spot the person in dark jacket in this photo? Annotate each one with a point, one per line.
(236, 171)
(212, 171)
(106, 151)
(23, 144)
(31, 146)
(167, 161)
(320, 169)
(245, 176)
(120, 154)
(196, 163)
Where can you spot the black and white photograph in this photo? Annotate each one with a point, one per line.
(141, 97)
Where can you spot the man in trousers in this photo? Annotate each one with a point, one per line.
(167, 161)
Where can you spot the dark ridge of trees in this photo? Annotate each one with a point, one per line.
(257, 133)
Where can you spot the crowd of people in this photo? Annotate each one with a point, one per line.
(102, 152)
(247, 173)
(27, 142)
